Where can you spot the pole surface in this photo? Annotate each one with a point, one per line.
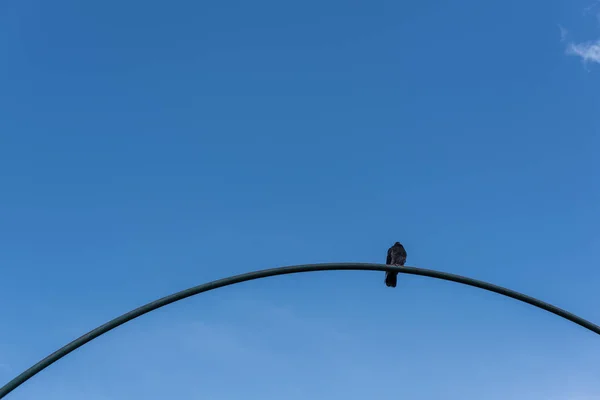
(93, 334)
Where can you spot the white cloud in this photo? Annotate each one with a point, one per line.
(591, 7)
(588, 51)
(563, 33)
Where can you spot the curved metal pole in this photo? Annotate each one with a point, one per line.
(91, 335)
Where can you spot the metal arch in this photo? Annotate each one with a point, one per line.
(75, 344)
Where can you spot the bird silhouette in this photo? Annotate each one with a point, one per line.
(396, 255)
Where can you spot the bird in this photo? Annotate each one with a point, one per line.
(396, 255)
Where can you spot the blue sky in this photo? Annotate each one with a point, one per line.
(147, 146)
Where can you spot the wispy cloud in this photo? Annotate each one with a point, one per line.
(591, 7)
(563, 33)
(588, 51)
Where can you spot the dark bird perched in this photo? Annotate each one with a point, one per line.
(396, 255)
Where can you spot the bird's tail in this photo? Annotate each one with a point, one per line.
(391, 278)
